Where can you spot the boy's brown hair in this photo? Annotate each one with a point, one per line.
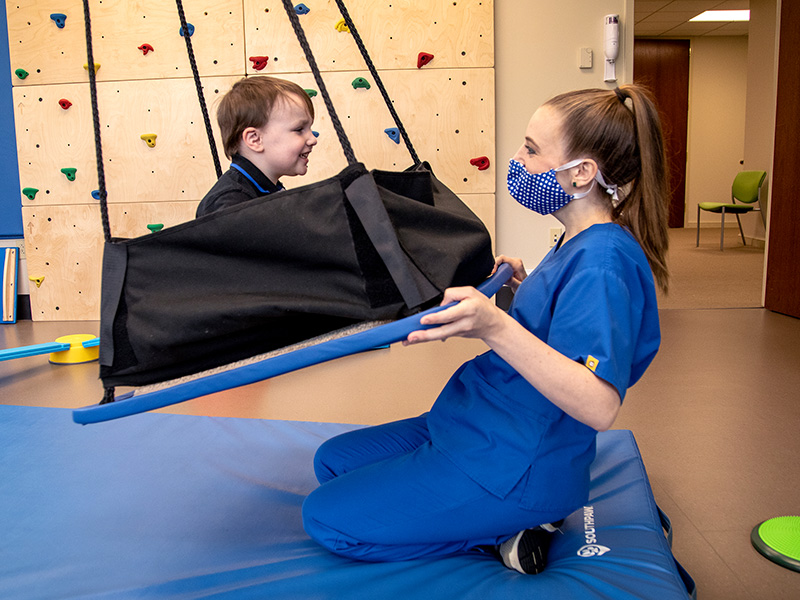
(249, 103)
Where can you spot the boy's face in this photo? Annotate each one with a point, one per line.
(287, 139)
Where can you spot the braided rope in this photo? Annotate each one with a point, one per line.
(199, 86)
(101, 176)
(337, 125)
(108, 393)
(371, 66)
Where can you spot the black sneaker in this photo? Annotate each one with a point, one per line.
(526, 552)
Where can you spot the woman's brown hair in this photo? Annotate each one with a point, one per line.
(627, 143)
(249, 104)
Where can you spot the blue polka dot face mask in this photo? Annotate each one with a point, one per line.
(540, 192)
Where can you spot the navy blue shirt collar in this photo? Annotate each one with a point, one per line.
(253, 174)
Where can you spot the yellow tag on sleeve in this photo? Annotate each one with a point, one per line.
(591, 363)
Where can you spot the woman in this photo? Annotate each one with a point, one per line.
(504, 453)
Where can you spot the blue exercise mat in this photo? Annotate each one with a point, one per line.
(273, 366)
(177, 506)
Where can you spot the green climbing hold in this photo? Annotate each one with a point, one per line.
(311, 93)
(360, 82)
(30, 193)
(21, 73)
(153, 227)
(70, 173)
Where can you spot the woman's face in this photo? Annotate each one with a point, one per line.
(542, 149)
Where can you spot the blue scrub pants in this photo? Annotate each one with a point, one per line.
(388, 494)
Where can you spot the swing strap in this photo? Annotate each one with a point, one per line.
(206, 119)
(337, 125)
(371, 66)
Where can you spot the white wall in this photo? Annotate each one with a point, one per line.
(537, 45)
(717, 102)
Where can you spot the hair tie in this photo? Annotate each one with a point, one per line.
(621, 96)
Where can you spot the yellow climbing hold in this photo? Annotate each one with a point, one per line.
(37, 280)
(96, 67)
(341, 27)
(150, 139)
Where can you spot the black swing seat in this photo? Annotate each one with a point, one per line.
(271, 272)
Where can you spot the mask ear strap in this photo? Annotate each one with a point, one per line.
(611, 188)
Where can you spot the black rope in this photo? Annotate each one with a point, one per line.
(206, 118)
(337, 125)
(108, 394)
(101, 176)
(370, 65)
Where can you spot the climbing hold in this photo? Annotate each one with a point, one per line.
(145, 48)
(259, 62)
(393, 133)
(311, 93)
(482, 162)
(96, 194)
(190, 27)
(96, 67)
(60, 19)
(302, 9)
(150, 139)
(37, 280)
(341, 27)
(30, 193)
(153, 227)
(69, 172)
(423, 59)
(316, 133)
(360, 82)
(64, 103)
(21, 73)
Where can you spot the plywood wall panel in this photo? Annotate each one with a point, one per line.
(179, 167)
(64, 246)
(458, 34)
(57, 55)
(448, 113)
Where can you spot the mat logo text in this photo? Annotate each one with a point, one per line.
(592, 548)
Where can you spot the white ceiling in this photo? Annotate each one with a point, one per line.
(669, 18)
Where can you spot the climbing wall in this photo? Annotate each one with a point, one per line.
(435, 59)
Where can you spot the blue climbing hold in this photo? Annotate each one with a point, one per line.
(190, 27)
(60, 19)
(96, 194)
(316, 133)
(394, 134)
(302, 9)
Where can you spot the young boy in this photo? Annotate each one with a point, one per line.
(266, 131)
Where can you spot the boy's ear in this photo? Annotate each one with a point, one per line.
(251, 138)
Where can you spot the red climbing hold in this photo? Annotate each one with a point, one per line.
(64, 103)
(423, 59)
(259, 62)
(482, 162)
(145, 48)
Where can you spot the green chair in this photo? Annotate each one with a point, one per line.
(746, 189)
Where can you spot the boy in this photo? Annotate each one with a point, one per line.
(266, 131)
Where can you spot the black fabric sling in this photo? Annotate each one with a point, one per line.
(283, 268)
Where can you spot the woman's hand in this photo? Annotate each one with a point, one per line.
(474, 316)
(517, 267)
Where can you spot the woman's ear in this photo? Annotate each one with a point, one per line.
(584, 173)
(251, 138)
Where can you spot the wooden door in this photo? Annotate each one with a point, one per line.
(663, 67)
(783, 272)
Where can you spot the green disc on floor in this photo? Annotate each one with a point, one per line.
(779, 540)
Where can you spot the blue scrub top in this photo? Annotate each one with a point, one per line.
(593, 299)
